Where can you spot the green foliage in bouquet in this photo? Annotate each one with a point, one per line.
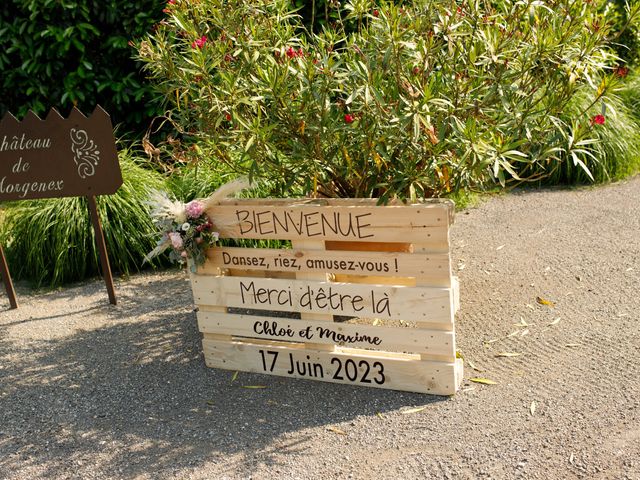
(417, 99)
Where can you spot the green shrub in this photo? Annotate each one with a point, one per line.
(630, 93)
(626, 29)
(51, 241)
(61, 53)
(615, 153)
(188, 182)
(422, 99)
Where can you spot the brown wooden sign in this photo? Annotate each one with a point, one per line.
(58, 157)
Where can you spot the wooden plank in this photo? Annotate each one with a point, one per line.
(459, 372)
(433, 203)
(5, 276)
(427, 225)
(455, 285)
(364, 369)
(212, 309)
(414, 340)
(322, 275)
(432, 268)
(425, 280)
(101, 246)
(422, 304)
(319, 246)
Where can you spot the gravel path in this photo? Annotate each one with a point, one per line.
(88, 390)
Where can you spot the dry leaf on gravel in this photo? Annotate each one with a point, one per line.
(254, 386)
(484, 381)
(508, 354)
(413, 410)
(521, 323)
(555, 322)
(532, 408)
(235, 375)
(572, 345)
(472, 365)
(544, 301)
(336, 430)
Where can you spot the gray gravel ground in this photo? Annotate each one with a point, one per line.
(88, 390)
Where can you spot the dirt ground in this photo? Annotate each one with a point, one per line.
(89, 390)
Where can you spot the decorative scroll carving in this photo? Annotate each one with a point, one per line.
(85, 153)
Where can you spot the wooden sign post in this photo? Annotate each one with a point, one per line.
(384, 269)
(59, 157)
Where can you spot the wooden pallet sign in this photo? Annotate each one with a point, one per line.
(365, 296)
(58, 157)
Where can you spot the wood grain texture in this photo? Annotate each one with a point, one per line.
(435, 343)
(395, 372)
(427, 224)
(432, 269)
(420, 304)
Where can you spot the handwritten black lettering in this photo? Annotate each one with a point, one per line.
(338, 337)
(304, 223)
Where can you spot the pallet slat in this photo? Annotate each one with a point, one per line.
(370, 369)
(433, 268)
(427, 225)
(392, 339)
(421, 304)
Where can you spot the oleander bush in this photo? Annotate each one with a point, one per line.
(626, 29)
(419, 98)
(61, 53)
(51, 241)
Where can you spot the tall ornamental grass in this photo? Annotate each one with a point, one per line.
(419, 99)
(51, 241)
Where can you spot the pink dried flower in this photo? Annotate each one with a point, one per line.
(176, 240)
(598, 120)
(194, 209)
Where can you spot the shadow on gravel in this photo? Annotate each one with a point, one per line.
(135, 398)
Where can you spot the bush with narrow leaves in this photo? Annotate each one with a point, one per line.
(419, 99)
(51, 241)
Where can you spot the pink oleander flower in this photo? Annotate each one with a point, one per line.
(194, 209)
(598, 120)
(176, 240)
(199, 42)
